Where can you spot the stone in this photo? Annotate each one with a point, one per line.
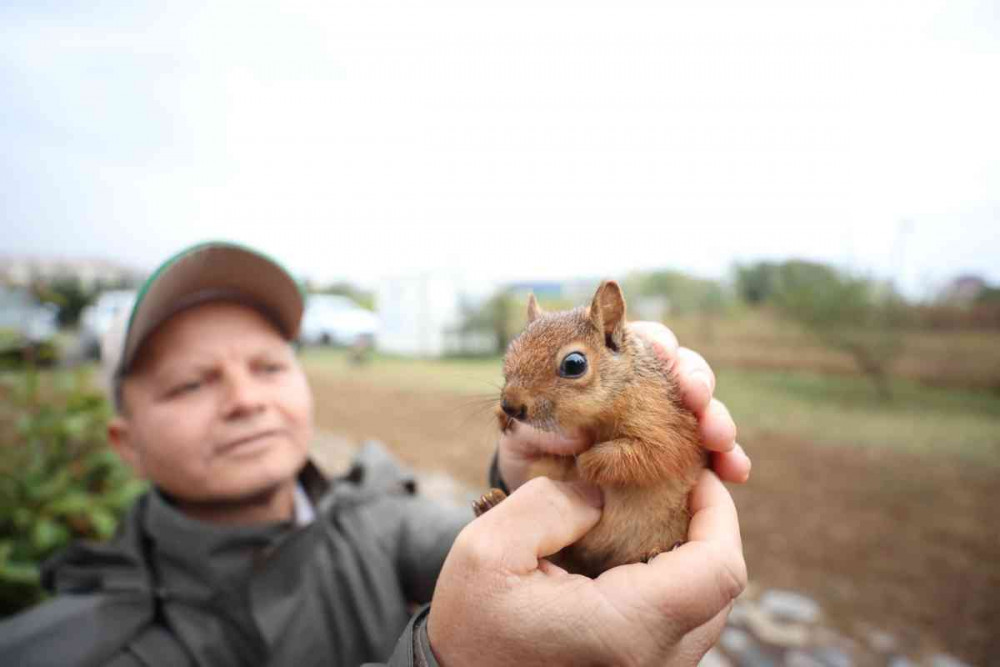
(789, 606)
(714, 658)
(738, 614)
(775, 632)
(799, 658)
(831, 656)
(735, 640)
(945, 660)
(756, 656)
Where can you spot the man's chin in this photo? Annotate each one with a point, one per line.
(246, 484)
(243, 505)
(253, 483)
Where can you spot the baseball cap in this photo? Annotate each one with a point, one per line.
(210, 271)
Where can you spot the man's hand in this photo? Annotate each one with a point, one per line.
(522, 445)
(498, 601)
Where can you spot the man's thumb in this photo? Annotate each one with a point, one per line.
(537, 520)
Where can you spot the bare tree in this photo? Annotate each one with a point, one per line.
(853, 314)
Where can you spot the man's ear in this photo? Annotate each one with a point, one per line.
(607, 313)
(122, 440)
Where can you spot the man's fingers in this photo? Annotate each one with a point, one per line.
(732, 466)
(537, 520)
(708, 571)
(717, 428)
(697, 643)
(696, 380)
(663, 340)
(536, 443)
(697, 384)
(695, 582)
(713, 513)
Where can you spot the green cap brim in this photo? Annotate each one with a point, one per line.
(213, 271)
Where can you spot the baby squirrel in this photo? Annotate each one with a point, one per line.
(583, 369)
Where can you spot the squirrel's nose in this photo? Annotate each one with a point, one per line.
(519, 412)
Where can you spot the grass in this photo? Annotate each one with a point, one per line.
(844, 410)
(465, 376)
(758, 339)
(828, 409)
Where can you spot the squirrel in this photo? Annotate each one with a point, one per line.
(583, 369)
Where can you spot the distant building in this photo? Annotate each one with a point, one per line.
(963, 290)
(22, 314)
(422, 315)
(22, 271)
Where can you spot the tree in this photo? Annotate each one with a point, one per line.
(498, 316)
(755, 283)
(686, 294)
(68, 294)
(853, 314)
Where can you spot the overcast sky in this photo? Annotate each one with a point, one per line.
(510, 140)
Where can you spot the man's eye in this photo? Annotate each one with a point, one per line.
(185, 388)
(272, 367)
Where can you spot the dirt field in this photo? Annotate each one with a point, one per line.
(905, 542)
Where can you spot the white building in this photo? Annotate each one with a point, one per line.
(420, 314)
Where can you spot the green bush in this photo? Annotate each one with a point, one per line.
(16, 351)
(58, 479)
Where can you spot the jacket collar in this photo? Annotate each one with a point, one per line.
(158, 543)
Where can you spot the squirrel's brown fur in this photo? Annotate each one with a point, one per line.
(645, 455)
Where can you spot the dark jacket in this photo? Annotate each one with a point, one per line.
(171, 590)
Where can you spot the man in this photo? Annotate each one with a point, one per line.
(242, 554)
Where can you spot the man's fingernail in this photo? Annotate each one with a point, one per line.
(591, 494)
(748, 460)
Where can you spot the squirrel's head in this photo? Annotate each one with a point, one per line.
(564, 369)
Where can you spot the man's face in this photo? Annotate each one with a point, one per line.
(217, 408)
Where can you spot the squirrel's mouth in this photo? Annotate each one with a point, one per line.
(539, 414)
(509, 420)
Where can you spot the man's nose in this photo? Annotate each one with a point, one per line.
(243, 394)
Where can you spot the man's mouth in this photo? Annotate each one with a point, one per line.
(246, 442)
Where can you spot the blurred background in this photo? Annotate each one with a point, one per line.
(806, 193)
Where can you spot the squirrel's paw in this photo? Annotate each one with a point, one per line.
(650, 555)
(611, 463)
(488, 501)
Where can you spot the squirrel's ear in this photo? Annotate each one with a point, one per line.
(534, 310)
(607, 312)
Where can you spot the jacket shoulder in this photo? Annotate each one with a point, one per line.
(74, 629)
(103, 610)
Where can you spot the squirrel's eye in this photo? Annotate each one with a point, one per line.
(573, 365)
